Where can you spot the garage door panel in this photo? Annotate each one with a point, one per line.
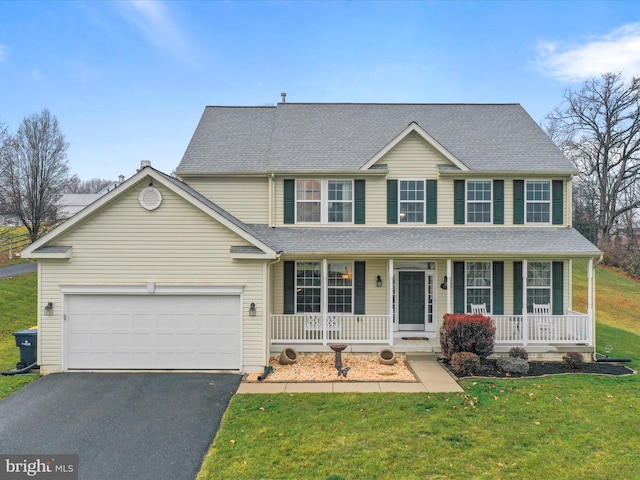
(152, 332)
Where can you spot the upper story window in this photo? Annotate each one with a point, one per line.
(538, 201)
(411, 205)
(479, 201)
(324, 201)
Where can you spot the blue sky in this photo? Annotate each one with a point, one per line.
(129, 80)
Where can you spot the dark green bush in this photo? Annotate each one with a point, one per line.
(518, 352)
(573, 360)
(465, 363)
(467, 333)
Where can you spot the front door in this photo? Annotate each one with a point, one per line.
(411, 301)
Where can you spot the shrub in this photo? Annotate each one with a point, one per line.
(513, 364)
(467, 333)
(573, 360)
(465, 363)
(519, 352)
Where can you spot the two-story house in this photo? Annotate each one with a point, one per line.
(304, 225)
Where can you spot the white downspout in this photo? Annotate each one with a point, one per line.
(449, 310)
(390, 299)
(272, 200)
(324, 299)
(525, 315)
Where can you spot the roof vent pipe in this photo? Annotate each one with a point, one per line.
(284, 97)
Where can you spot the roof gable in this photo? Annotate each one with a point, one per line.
(41, 248)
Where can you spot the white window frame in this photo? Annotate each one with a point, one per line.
(324, 200)
(407, 202)
(348, 270)
(548, 287)
(468, 287)
(528, 202)
(475, 201)
(314, 287)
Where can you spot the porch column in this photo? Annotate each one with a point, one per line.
(449, 310)
(390, 298)
(591, 299)
(324, 298)
(525, 314)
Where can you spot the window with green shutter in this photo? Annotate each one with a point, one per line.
(557, 202)
(518, 202)
(498, 202)
(359, 287)
(289, 201)
(289, 287)
(458, 287)
(392, 201)
(498, 288)
(558, 288)
(459, 201)
(517, 288)
(359, 196)
(432, 202)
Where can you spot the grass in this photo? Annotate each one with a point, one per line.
(18, 303)
(561, 427)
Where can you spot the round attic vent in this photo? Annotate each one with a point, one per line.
(150, 198)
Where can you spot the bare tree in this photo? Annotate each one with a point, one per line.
(33, 171)
(75, 185)
(598, 127)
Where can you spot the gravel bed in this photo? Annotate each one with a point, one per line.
(321, 367)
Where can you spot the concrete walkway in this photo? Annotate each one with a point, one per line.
(431, 375)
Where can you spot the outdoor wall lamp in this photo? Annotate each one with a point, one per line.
(48, 308)
(252, 309)
(443, 285)
(378, 281)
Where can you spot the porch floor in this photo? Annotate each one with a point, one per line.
(432, 377)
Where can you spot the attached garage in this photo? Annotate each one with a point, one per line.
(153, 331)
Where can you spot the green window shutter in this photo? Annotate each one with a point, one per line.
(498, 288)
(498, 202)
(392, 201)
(517, 288)
(458, 287)
(458, 198)
(518, 202)
(557, 200)
(289, 201)
(359, 282)
(432, 202)
(557, 279)
(289, 287)
(359, 202)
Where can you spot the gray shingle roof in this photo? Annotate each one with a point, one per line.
(427, 240)
(298, 136)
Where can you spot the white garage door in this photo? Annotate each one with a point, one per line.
(152, 331)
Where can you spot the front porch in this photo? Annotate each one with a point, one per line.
(370, 333)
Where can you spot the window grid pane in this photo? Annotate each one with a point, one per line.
(538, 201)
(479, 201)
(538, 283)
(478, 284)
(340, 292)
(411, 204)
(308, 279)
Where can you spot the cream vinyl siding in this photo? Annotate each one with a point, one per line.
(246, 198)
(176, 244)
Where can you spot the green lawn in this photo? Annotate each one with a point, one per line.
(18, 303)
(562, 427)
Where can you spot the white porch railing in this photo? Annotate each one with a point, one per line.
(574, 328)
(332, 328)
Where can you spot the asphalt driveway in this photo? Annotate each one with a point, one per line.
(122, 425)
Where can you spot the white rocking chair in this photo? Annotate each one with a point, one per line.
(479, 308)
(543, 321)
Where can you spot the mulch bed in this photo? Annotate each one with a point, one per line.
(539, 369)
